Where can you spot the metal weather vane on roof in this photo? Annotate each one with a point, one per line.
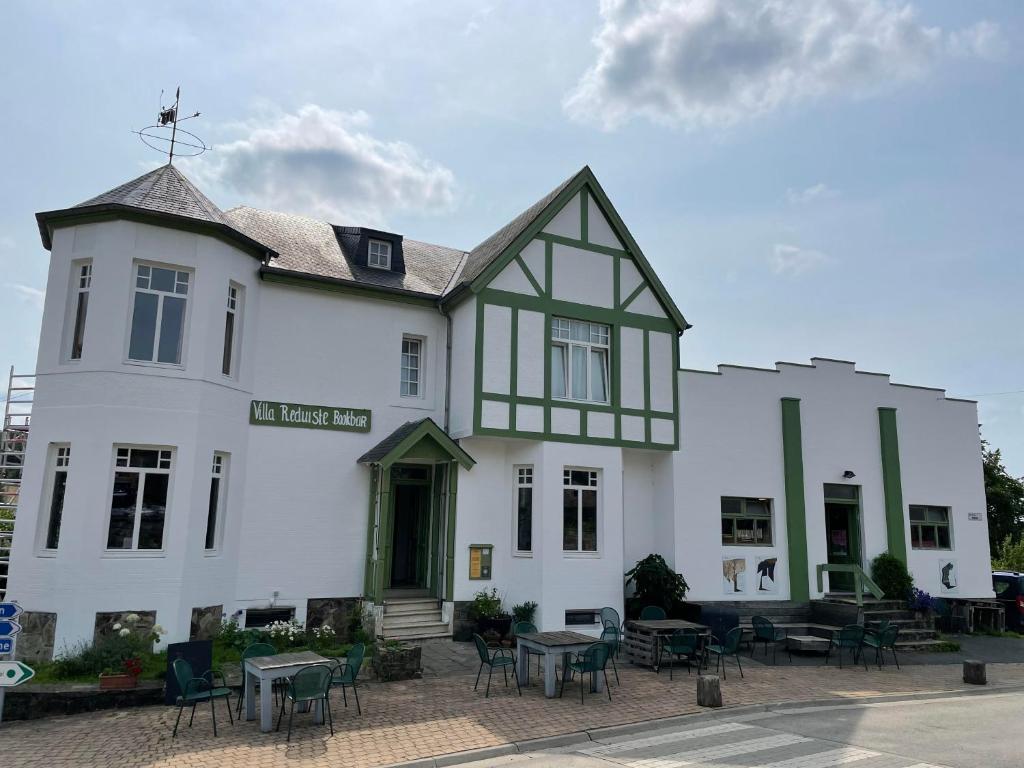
(165, 136)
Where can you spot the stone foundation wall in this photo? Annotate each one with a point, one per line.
(403, 663)
(35, 641)
(205, 622)
(105, 623)
(338, 613)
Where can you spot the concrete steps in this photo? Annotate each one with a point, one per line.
(413, 618)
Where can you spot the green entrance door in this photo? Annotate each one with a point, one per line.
(842, 533)
(410, 529)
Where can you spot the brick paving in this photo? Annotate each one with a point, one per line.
(437, 715)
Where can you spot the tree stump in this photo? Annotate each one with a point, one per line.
(974, 673)
(709, 691)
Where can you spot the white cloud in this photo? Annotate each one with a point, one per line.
(983, 40)
(820, 191)
(33, 296)
(704, 62)
(325, 163)
(793, 261)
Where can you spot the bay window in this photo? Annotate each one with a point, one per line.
(60, 458)
(579, 360)
(83, 284)
(231, 317)
(214, 512)
(158, 314)
(138, 501)
(524, 510)
(579, 510)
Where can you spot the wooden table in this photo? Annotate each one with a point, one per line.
(551, 645)
(267, 669)
(642, 639)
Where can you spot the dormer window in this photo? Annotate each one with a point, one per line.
(379, 254)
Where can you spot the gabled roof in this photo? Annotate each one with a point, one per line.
(163, 195)
(399, 443)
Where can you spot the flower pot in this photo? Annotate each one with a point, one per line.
(117, 682)
(501, 625)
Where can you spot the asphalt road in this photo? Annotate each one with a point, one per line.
(978, 731)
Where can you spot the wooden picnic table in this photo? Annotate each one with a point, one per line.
(642, 640)
(551, 645)
(267, 669)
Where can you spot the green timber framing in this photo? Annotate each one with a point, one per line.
(426, 445)
(585, 185)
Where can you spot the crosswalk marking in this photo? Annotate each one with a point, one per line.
(825, 759)
(689, 757)
(663, 738)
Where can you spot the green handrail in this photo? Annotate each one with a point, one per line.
(861, 581)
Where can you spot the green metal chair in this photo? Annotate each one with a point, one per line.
(611, 616)
(252, 651)
(308, 685)
(502, 658)
(883, 640)
(591, 661)
(765, 632)
(850, 637)
(528, 628)
(653, 613)
(731, 647)
(683, 644)
(611, 637)
(195, 690)
(345, 673)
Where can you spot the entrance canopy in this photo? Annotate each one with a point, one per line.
(417, 441)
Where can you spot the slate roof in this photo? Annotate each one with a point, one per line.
(389, 443)
(381, 450)
(309, 247)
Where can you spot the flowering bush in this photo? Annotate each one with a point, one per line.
(921, 600)
(132, 666)
(289, 632)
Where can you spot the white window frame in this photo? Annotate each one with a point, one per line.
(594, 484)
(234, 307)
(523, 477)
(421, 359)
(381, 259)
(118, 466)
(134, 289)
(599, 340)
(220, 471)
(81, 283)
(58, 460)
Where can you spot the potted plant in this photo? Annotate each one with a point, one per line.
(486, 611)
(128, 677)
(524, 611)
(655, 584)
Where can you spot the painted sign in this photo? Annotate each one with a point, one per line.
(14, 673)
(272, 414)
(976, 516)
(9, 628)
(9, 610)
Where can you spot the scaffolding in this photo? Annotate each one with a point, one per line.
(13, 443)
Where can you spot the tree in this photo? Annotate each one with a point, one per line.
(1004, 498)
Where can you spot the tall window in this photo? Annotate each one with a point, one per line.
(83, 279)
(61, 459)
(524, 509)
(930, 527)
(234, 308)
(214, 513)
(138, 504)
(579, 510)
(158, 314)
(412, 355)
(579, 360)
(746, 522)
(379, 254)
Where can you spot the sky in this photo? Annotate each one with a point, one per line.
(832, 178)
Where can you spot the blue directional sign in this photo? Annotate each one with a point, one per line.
(6, 645)
(9, 628)
(9, 610)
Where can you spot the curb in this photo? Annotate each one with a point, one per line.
(644, 726)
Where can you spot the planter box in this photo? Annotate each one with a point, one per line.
(403, 663)
(117, 682)
(502, 625)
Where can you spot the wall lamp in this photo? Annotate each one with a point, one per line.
(849, 474)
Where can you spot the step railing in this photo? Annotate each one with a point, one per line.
(861, 581)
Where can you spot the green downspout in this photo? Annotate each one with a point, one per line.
(449, 564)
(371, 524)
(892, 483)
(796, 513)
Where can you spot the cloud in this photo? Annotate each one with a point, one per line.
(793, 261)
(983, 40)
(820, 191)
(325, 163)
(33, 296)
(713, 62)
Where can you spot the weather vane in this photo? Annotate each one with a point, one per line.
(166, 137)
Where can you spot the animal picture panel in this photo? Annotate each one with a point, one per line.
(734, 575)
(948, 576)
(765, 577)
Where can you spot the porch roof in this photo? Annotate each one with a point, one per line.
(416, 439)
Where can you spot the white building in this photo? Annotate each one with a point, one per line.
(243, 410)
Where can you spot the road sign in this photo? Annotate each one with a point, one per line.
(9, 628)
(14, 673)
(6, 645)
(9, 610)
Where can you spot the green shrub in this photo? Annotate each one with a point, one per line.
(892, 577)
(486, 605)
(524, 611)
(1009, 556)
(656, 584)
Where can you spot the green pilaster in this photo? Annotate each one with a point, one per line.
(892, 483)
(383, 536)
(371, 524)
(449, 561)
(796, 511)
